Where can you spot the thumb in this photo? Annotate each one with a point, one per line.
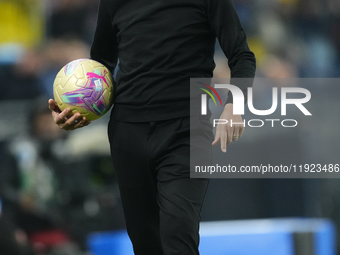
(53, 106)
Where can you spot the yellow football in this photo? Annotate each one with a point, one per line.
(85, 86)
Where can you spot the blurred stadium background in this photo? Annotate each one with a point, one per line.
(57, 188)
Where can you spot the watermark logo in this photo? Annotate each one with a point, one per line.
(278, 118)
(204, 97)
(239, 106)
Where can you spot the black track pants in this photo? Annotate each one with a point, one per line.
(161, 203)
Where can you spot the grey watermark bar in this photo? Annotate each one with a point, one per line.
(290, 128)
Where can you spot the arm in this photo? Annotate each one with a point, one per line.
(103, 50)
(226, 25)
(105, 47)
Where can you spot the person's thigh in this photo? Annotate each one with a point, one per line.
(137, 184)
(180, 197)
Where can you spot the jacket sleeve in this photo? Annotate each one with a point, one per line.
(104, 46)
(227, 27)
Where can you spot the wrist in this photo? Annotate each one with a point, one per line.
(228, 106)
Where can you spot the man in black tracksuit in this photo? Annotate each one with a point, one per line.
(160, 45)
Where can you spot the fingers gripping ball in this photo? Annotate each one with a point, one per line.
(85, 86)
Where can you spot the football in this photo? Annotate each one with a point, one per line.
(85, 86)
